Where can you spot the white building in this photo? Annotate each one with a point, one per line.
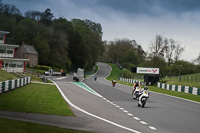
(7, 54)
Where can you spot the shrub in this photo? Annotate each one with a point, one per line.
(41, 67)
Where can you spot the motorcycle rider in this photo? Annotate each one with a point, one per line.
(145, 88)
(114, 82)
(144, 94)
(134, 86)
(95, 77)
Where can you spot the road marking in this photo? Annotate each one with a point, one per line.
(136, 118)
(76, 107)
(153, 128)
(87, 88)
(108, 101)
(118, 106)
(143, 122)
(61, 78)
(130, 114)
(121, 108)
(125, 111)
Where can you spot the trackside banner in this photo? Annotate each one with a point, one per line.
(146, 70)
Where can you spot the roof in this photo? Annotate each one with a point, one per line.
(14, 59)
(30, 49)
(8, 45)
(4, 32)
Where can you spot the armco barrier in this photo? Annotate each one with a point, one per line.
(12, 84)
(186, 89)
(130, 81)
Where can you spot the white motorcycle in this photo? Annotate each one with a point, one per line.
(144, 95)
(136, 93)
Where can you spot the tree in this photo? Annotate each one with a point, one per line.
(197, 60)
(170, 45)
(157, 49)
(23, 32)
(47, 17)
(178, 50)
(130, 57)
(90, 33)
(35, 15)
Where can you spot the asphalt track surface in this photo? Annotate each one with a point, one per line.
(166, 114)
(114, 111)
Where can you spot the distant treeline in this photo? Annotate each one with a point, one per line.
(78, 44)
(59, 42)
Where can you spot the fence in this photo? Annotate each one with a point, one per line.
(185, 78)
(186, 89)
(130, 80)
(13, 84)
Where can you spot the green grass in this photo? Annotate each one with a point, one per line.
(34, 78)
(91, 73)
(13, 126)
(36, 70)
(116, 72)
(192, 80)
(7, 76)
(35, 98)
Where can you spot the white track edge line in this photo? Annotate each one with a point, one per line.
(76, 107)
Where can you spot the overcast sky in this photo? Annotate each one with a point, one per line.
(139, 20)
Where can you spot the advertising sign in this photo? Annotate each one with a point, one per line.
(146, 70)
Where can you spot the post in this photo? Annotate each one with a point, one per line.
(170, 71)
(180, 73)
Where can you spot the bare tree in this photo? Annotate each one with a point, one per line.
(170, 45)
(197, 60)
(178, 50)
(157, 48)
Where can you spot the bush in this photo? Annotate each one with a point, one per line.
(41, 67)
(127, 74)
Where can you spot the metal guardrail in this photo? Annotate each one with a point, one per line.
(185, 89)
(13, 84)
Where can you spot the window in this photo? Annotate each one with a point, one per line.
(2, 50)
(9, 51)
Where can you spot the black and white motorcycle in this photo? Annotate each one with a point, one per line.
(136, 93)
(144, 95)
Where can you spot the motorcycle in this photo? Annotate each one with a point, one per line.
(95, 77)
(144, 95)
(113, 83)
(136, 94)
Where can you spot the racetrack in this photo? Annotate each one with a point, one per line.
(167, 114)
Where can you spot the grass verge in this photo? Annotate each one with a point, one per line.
(115, 73)
(13, 126)
(7, 76)
(35, 98)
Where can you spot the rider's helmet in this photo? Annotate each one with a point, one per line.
(137, 83)
(145, 88)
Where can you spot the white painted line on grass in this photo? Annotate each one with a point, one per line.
(76, 107)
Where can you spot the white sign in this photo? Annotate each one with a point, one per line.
(146, 70)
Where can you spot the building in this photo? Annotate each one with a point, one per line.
(27, 52)
(7, 54)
